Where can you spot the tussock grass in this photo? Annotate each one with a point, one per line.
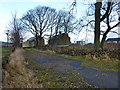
(17, 59)
(17, 75)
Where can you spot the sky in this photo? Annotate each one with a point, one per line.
(9, 7)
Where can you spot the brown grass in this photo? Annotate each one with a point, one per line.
(104, 58)
(17, 75)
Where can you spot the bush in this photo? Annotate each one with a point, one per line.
(115, 54)
(84, 51)
(73, 51)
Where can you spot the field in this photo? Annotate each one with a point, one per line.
(6, 50)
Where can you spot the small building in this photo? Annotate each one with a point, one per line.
(80, 42)
(31, 42)
(113, 40)
(60, 40)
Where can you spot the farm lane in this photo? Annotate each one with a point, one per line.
(101, 79)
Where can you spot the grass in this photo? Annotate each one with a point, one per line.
(99, 65)
(50, 78)
(103, 66)
(88, 61)
(6, 50)
(4, 54)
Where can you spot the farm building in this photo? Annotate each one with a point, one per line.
(31, 42)
(80, 42)
(113, 40)
(60, 40)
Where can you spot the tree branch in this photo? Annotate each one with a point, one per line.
(115, 25)
(107, 12)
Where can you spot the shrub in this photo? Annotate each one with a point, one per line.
(73, 51)
(115, 54)
(101, 54)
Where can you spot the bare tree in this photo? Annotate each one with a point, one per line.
(58, 23)
(39, 20)
(16, 30)
(66, 22)
(109, 17)
(105, 15)
(98, 6)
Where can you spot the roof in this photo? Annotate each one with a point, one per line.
(57, 36)
(113, 39)
(30, 39)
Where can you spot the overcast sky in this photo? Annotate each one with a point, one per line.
(7, 8)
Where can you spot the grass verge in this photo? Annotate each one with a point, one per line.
(16, 75)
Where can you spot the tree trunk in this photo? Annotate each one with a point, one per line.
(97, 25)
(106, 32)
(65, 28)
(56, 30)
(51, 33)
(16, 38)
(36, 36)
(40, 43)
(103, 40)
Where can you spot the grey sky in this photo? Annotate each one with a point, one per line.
(7, 8)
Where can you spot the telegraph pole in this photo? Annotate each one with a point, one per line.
(7, 33)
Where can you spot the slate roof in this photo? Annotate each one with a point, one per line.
(30, 39)
(113, 39)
